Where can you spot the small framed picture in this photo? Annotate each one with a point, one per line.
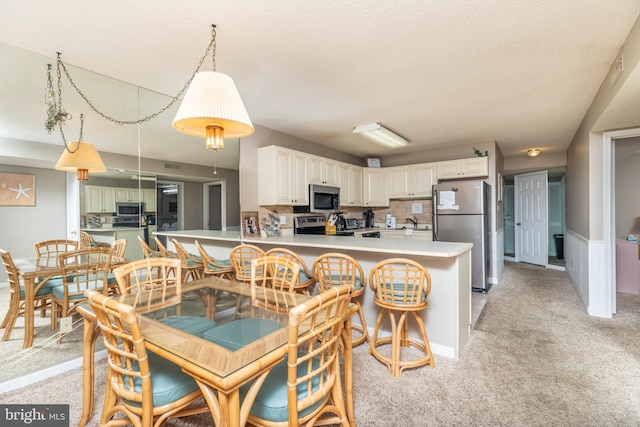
(250, 224)
(373, 162)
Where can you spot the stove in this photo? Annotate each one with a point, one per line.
(314, 225)
(309, 224)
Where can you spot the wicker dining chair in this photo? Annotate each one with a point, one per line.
(163, 250)
(333, 269)
(87, 241)
(143, 386)
(16, 291)
(192, 265)
(306, 388)
(147, 251)
(158, 281)
(53, 248)
(119, 247)
(82, 269)
(306, 280)
(240, 258)
(273, 275)
(401, 288)
(214, 266)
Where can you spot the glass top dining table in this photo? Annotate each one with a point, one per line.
(218, 370)
(36, 271)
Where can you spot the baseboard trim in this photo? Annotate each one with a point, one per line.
(49, 372)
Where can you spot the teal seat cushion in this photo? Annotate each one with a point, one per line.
(336, 280)
(46, 288)
(94, 282)
(303, 277)
(168, 382)
(192, 262)
(220, 263)
(398, 292)
(238, 333)
(271, 402)
(191, 324)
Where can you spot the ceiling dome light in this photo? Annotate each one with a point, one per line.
(532, 152)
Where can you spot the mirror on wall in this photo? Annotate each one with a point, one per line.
(137, 156)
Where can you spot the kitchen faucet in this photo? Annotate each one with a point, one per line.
(413, 220)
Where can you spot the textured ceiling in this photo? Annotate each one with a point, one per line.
(441, 72)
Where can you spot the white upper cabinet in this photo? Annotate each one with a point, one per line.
(282, 177)
(475, 167)
(149, 199)
(412, 181)
(322, 171)
(127, 194)
(350, 179)
(375, 193)
(99, 199)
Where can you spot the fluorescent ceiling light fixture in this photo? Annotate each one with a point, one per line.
(144, 177)
(382, 136)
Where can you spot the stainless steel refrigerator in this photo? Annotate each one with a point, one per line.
(461, 213)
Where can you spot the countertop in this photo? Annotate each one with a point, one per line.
(203, 234)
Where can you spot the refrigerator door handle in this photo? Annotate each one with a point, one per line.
(435, 216)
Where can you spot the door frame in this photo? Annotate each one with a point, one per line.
(180, 200)
(206, 203)
(606, 290)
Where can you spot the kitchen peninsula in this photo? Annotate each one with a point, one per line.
(448, 317)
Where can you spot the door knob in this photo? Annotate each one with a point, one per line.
(517, 223)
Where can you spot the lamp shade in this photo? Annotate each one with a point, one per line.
(84, 160)
(213, 100)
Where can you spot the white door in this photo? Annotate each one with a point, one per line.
(509, 224)
(530, 196)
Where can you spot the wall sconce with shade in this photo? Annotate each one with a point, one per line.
(212, 108)
(533, 152)
(81, 158)
(382, 135)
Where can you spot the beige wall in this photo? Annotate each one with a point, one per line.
(584, 157)
(22, 226)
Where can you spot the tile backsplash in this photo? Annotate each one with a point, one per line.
(401, 209)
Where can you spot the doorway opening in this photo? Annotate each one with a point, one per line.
(170, 207)
(553, 222)
(214, 204)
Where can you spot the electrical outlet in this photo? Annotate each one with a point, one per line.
(283, 219)
(66, 324)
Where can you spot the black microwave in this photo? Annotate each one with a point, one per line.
(324, 199)
(129, 209)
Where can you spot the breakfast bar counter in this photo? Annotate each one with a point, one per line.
(448, 317)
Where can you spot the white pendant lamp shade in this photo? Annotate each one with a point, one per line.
(84, 160)
(212, 100)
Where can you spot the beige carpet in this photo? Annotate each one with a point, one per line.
(535, 358)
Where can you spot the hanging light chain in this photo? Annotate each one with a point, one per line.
(60, 112)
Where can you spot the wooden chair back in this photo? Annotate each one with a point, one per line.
(312, 378)
(271, 275)
(400, 283)
(146, 249)
(53, 248)
(163, 250)
(213, 266)
(192, 265)
(241, 257)
(86, 241)
(334, 269)
(16, 301)
(119, 247)
(157, 281)
(129, 376)
(82, 269)
(306, 280)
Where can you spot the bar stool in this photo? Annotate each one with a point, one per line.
(401, 289)
(335, 269)
(306, 281)
(192, 265)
